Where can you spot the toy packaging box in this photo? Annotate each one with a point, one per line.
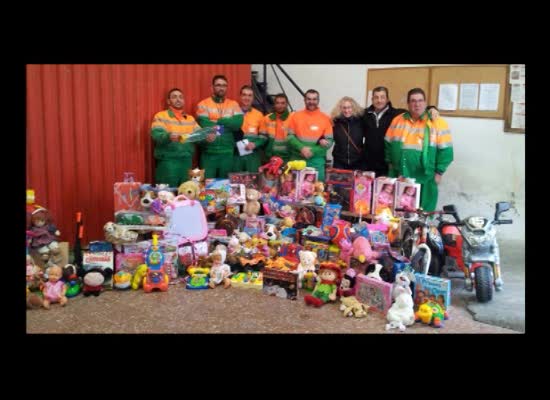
(374, 293)
(345, 192)
(283, 284)
(102, 259)
(407, 196)
(339, 177)
(237, 194)
(289, 186)
(363, 182)
(384, 194)
(127, 196)
(128, 262)
(432, 288)
(248, 179)
(306, 179)
(330, 213)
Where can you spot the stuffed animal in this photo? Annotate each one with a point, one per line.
(163, 199)
(346, 250)
(373, 271)
(197, 175)
(353, 307)
(296, 165)
(93, 281)
(401, 285)
(318, 193)
(44, 234)
(118, 234)
(273, 166)
(252, 206)
(362, 250)
(326, 288)
(401, 313)
(189, 189)
(307, 264)
(271, 232)
(147, 199)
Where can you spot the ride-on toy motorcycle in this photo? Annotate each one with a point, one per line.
(471, 246)
(421, 242)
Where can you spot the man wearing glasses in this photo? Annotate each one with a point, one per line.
(418, 147)
(217, 151)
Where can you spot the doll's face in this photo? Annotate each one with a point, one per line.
(328, 275)
(54, 274)
(217, 259)
(39, 221)
(310, 178)
(410, 190)
(388, 188)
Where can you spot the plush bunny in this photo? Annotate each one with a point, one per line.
(401, 313)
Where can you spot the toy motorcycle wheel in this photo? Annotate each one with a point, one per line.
(484, 283)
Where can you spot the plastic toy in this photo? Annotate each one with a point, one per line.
(54, 289)
(122, 280)
(155, 278)
(72, 280)
(198, 278)
(296, 165)
(273, 166)
(220, 272)
(137, 279)
(431, 313)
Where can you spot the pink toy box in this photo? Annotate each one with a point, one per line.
(374, 293)
(363, 182)
(384, 194)
(407, 196)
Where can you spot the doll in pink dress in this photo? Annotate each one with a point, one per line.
(307, 186)
(408, 199)
(385, 198)
(54, 288)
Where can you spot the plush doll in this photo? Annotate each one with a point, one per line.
(373, 271)
(147, 199)
(197, 175)
(54, 289)
(220, 272)
(189, 189)
(353, 307)
(34, 274)
(326, 288)
(44, 234)
(401, 313)
(118, 234)
(252, 206)
(318, 193)
(93, 281)
(271, 232)
(307, 264)
(163, 199)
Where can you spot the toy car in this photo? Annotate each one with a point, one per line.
(155, 279)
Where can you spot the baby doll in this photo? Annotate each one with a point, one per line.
(408, 199)
(44, 234)
(287, 184)
(54, 288)
(385, 198)
(219, 272)
(318, 189)
(326, 288)
(307, 186)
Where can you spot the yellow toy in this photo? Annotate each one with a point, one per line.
(137, 279)
(296, 165)
(352, 307)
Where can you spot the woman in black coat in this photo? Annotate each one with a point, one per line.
(348, 133)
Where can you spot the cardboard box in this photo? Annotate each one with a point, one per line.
(374, 293)
(427, 286)
(407, 196)
(127, 196)
(101, 259)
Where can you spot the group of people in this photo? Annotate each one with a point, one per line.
(414, 143)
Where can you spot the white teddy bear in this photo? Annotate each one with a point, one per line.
(307, 264)
(401, 313)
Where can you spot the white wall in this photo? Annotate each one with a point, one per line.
(489, 164)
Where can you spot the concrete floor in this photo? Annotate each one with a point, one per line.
(238, 310)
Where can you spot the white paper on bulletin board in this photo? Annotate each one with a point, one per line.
(518, 116)
(468, 96)
(488, 96)
(448, 94)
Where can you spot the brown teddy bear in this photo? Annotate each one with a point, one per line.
(189, 189)
(252, 206)
(197, 175)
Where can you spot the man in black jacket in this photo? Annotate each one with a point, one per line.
(377, 119)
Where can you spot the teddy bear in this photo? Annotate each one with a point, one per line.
(189, 189)
(307, 264)
(401, 313)
(252, 206)
(353, 307)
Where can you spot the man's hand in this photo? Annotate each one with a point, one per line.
(437, 178)
(175, 137)
(250, 146)
(306, 152)
(323, 142)
(210, 137)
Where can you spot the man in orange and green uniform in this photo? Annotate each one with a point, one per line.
(275, 128)
(310, 134)
(173, 158)
(419, 147)
(217, 151)
(250, 130)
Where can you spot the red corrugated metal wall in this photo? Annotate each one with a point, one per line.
(88, 124)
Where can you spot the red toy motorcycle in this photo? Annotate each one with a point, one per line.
(471, 246)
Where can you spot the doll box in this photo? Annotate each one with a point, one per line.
(405, 199)
(127, 196)
(281, 284)
(373, 292)
(382, 199)
(427, 286)
(363, 182)
(339, 177)
(248, 179)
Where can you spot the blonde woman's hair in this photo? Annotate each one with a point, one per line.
(357, 109)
